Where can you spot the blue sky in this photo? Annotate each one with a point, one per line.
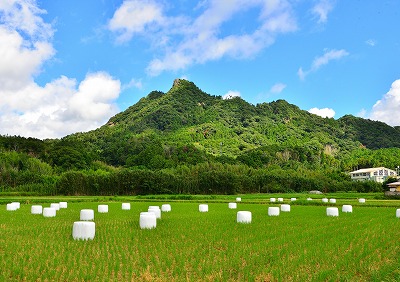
(68, 66)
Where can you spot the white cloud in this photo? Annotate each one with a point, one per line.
(59, 108)
(387, 109)
(325, 112)
(133, 83)
(320, 61)
(321, 10)
(370, 42)
(231, 94)
(183, 41)
(277, 88)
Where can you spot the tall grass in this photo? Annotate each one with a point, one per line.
(303, 245)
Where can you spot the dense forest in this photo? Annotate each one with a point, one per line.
(186, 141)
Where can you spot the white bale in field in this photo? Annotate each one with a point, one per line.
(147, 220)
(55, 206)
(332, 211)
(126, 206)
(87, 214)
(154, 207)
(63, 205)
(83, 230)
(156, 211)
(243, 217)
(293, 199)
(166, 208)
(280, 199)
(16, 204)
(398, 213)
(232, 205)
(347, 208)
(309, 199)
(12, 207)
(285, 208)
(203, 208)
(49, 212)
(238, 199)
(36, 209)
(273, 211)
(324, 200)
(332, 201)
(272, 200)
(102, 208)
(361, 200)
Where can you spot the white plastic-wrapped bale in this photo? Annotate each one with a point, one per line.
(126, 206)
(18, 204)
(238, 199)
(347, 208)
(63, 205)
(325, 200)
(156, 211)
(273, 211)
(285, 208)
(166, 208)
(332, 201)
(309, 199)
(243, 217)
(280, 199)
(87, 214)
(232, 205)
(49, 212)
(361, 200)
(293, 199)
(55, 206)
(102, 208)
(203, 208)
(147, 220)
(332, 211)
(36, 209)
(272, 200)
(12, 207)
(398, 213)
(83, 230)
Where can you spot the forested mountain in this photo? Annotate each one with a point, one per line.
(189, 130)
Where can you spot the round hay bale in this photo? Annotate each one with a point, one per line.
(325, 200)
(49, 212)
(347, 208)
(309, 199)
(272, 200)
(126, 206)
(166, 208)
(238, 199)
(293, 199)
(102, 208)
(83, 230)
(12, 207)
(232, 205)
(17, 204)
(87, 214)
(243, 217)
(280, 199)
(55, 206)
(361, 200)
(285, 208)
(203, 208)
(63, 205)
(156, 211)
(332, 201)
(36, 209)
(273, 211)
(398, 213)
(332, 211)
(147, 220)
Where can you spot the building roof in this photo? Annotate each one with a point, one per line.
(394, 184)
(369, 169)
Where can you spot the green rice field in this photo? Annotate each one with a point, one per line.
(187, 245)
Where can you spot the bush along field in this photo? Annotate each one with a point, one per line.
(187, 245)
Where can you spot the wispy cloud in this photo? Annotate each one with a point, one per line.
(231, 94)
(370, 42)
(277, 88)
(321, 10)
(320, 61)
(325, 112)
(185, 41)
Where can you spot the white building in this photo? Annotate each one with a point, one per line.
(378, 174)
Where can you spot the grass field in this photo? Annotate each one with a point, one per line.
(303, 245)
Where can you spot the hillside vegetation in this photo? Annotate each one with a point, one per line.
(187, 141)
